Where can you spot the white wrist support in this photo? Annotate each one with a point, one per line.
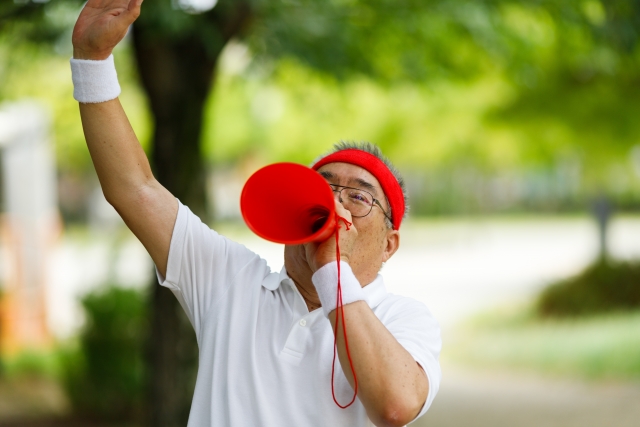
(326, 282)
(94, 81)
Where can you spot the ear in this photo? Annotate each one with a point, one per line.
(392, 244)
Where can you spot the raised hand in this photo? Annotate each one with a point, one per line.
(101, 25)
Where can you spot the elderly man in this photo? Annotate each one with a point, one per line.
(267, 339)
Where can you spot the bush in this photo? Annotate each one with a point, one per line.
(104, 375)
(603, 287)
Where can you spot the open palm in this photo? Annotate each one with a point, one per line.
(101, 25)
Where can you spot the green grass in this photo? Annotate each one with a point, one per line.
(32, 363)
(601, 347)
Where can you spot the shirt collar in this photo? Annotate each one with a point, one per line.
(374, 292)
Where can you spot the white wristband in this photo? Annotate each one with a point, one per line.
(94, 81)
(326, 282)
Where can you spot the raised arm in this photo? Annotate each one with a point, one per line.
(147, 208)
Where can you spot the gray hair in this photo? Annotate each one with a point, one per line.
(375, 151)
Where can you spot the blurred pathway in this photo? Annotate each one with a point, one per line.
(460, 267)
(457, 267)
(470, 399)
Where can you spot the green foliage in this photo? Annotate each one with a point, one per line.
(42, 22)
(595, 348)
(35, 47)
(428, 125)
(460, 91)
(457, 155)
(603, 287)
(104, 375)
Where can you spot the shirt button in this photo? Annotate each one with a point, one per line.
(303, 322)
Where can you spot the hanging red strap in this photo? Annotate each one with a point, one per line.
(340, 314)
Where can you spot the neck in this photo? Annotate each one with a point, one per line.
(310, 296)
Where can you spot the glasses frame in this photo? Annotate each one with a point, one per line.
(375, 201)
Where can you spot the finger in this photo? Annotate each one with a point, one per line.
(311, 247)
(133, 10)
(135, 5)
(342, 211)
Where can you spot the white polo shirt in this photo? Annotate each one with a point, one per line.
(265, 360)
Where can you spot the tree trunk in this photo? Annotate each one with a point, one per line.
(177, 74)
(177, 77)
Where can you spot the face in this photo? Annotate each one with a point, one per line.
(376, 243)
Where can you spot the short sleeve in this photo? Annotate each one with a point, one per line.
(415, 328)
(202, 265)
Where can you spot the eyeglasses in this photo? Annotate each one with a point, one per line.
(358, 202)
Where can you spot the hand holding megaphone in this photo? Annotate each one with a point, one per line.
(321, 253)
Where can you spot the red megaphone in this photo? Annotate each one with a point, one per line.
(288, 203)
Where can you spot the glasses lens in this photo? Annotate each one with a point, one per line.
(357, 202)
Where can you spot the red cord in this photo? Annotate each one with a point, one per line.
(339, 312)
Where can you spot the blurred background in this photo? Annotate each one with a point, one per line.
(515, 124)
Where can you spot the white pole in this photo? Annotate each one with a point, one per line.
(29, 225)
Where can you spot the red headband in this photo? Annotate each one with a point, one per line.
(377, 168)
